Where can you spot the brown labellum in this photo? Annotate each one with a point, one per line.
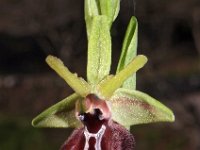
(100, 132)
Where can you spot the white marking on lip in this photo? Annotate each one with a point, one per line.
(98, 137)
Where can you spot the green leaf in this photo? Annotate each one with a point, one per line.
(60, 115)
(107, 88)
(110, 8)
(116, 6)
(79, 85)
(91, 10)
(129, 51)
(99, 50)
(130, 107)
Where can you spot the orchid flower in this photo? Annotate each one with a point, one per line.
(103, 107)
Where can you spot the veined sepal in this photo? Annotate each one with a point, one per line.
(131, 107)
(60, 115)
(99, 50)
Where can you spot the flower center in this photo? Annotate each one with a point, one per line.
(95, 120)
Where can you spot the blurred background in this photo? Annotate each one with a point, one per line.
(169, 34)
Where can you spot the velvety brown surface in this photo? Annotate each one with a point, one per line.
(116, 137)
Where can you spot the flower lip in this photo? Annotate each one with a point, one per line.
(93, 121)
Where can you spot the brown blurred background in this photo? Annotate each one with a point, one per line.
(169, 34)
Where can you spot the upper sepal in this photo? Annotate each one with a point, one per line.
(131, 107)
(99, 50)
(60, 115)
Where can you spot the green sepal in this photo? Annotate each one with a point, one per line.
(79, 85)
(99, 50)
(131, 107)
(106, 89)
(60, 115)
(129, 51)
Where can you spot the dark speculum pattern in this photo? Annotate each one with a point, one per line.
(99, 133)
